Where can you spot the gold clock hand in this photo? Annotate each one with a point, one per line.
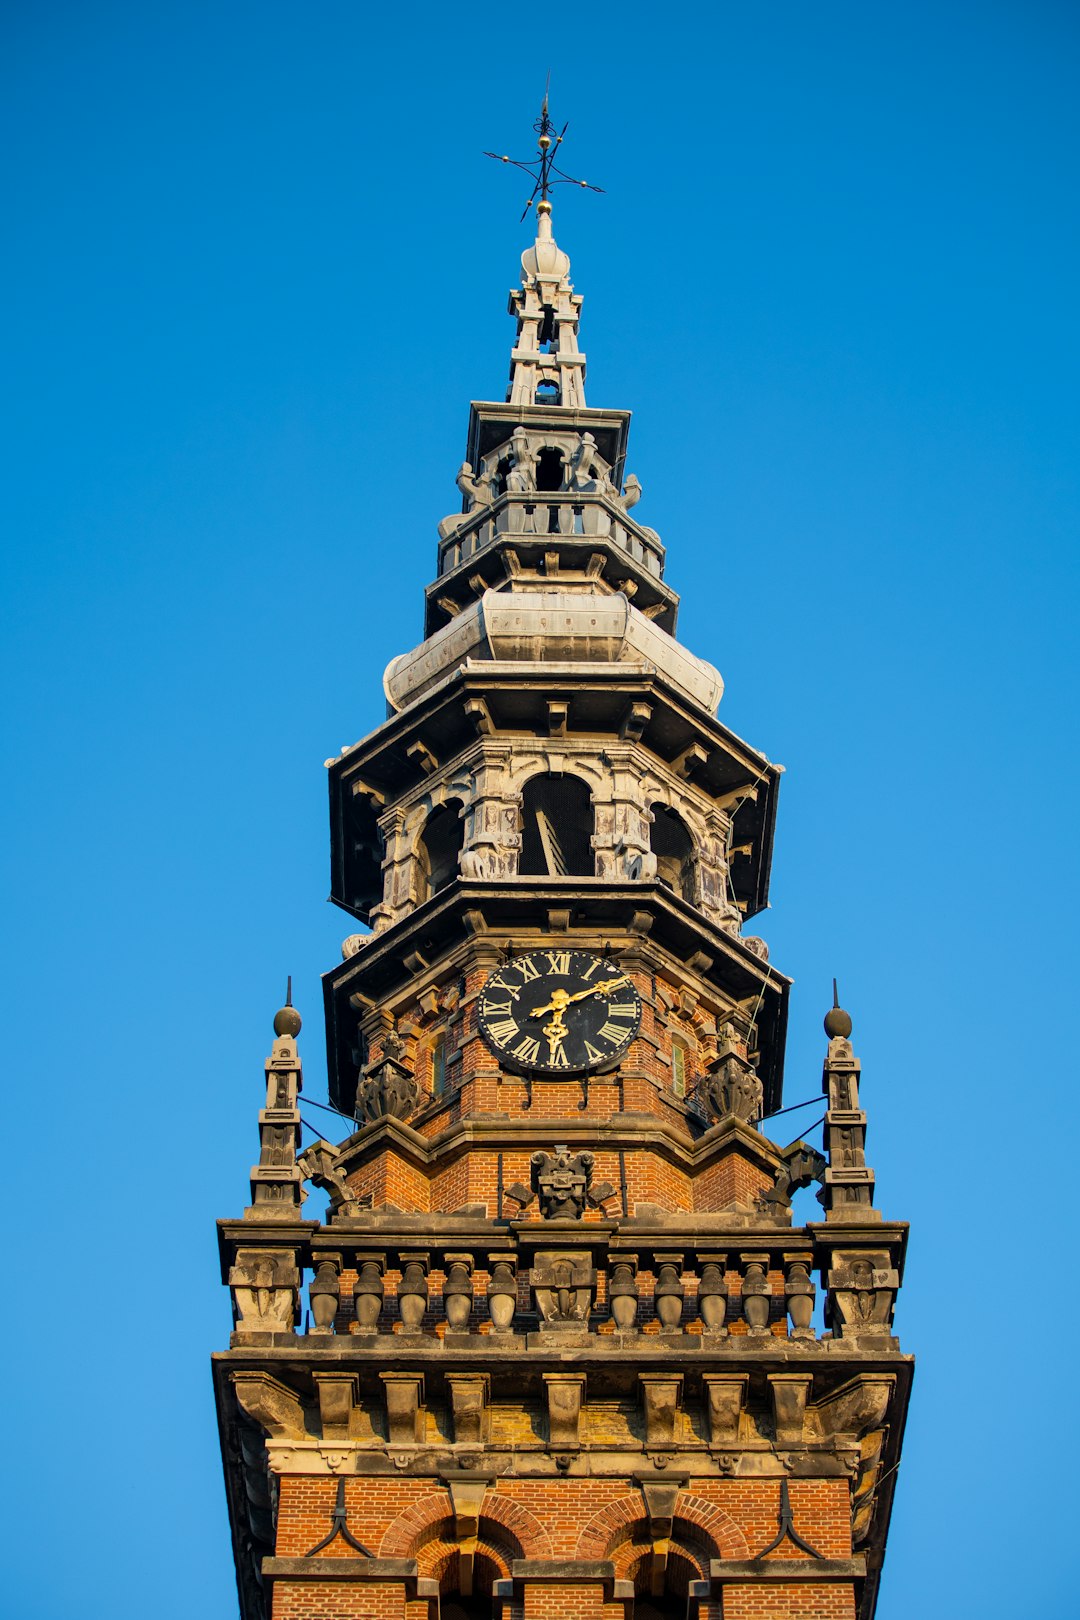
(563, 998)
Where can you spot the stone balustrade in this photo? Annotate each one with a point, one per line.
(568, 513)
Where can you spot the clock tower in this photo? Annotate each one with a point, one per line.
(558, 1346)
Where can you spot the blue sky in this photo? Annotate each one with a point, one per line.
(257, 269)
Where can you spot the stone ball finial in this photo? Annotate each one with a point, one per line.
(287, 1020)
(837, 1021)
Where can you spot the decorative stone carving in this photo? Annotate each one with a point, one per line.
(660, 1395)
(799, 1294)
(501, 1294)
(713, 1295)
(265, 1289)
(668, 1293)
(317, 1164)
(801, 1165)
(521, 478)
(352, 944)
(631, 492)
(386, 1087)
(623, 1292)
(324, 1292)
(755, 1292)
(404, 1407)
(857, 1406)
(469, 1403)
(730, 1087)
(726, 1396)
(789, 1392)
(457, 1292)
(862, 1293)
(337, 1392)
(564, 1397)
(561, 1181)
(477, 491)
(562, 1287)
(272, 1405)
(368, 1292)
(586, 470)
(413, 1291)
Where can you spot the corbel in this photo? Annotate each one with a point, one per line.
(449, 606)
(789, 1392)
(558, 711)
(594, 568)
(565, 1393)
(654, 610)
(477, 584)
(404, 1394)
(558, 922)
(478, 712)
(421, 754)
(469, 1396)
(725, 1395)
(660, 1395)
(338, 1393)
(272, 1405)
(363, 790)
(690, 760)
(634, 721)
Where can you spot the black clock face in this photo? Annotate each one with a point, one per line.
(559, 1012)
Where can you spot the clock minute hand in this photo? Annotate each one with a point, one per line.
(563, 998)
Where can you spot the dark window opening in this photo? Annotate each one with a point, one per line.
(674, 850)
(498, 483)
(438, 1066)
(673, 1608)
(440, 846)
(558, 827)
(549, 469)
(548, 393)
(547, 337)
(459, 1608)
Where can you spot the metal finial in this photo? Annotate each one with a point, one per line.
(288, 990)
(837, 1021)
(287, 1020)
(542, 168)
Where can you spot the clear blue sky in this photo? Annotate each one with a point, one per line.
(257, 267)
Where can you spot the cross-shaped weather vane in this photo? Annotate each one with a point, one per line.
(542, 168)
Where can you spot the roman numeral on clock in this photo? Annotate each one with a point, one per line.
(504, 1031)
(527, 1050)
(615, 1033)
(559, 961)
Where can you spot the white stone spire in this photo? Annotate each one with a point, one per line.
(546, 365)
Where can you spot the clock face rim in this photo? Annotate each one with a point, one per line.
(552, 981)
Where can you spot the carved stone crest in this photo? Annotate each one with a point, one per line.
(561, 1182)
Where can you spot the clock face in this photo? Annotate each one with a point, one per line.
(559, 1012)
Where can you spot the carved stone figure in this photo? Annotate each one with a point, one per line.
(561, 1181)
(521, 479)
(386, 1087)
(586, 472)
(631, 492)
(562, 1287)
(264, 1287)
(477, 491)
(861, 1294)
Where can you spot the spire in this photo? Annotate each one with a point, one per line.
(546, 365)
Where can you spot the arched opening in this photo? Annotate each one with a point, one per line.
(558, 827)
(439, 846)
(498, 482)
(459, 1608)
(549, 469)
(673, 847)
(673, 1608)
(548, 393)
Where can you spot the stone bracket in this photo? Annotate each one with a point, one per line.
(404, 1407)
(338, 1393)
(726, 1397)
(565, 1393)
(469, 1393)
(789, 1392)
(660, 1396)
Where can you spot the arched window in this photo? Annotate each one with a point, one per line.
(549, 469)
(558, 827)
(674, 850)
(548, 393)
(678, 1068)
(439, 847)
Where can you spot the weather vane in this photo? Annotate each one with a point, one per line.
(543, 170)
